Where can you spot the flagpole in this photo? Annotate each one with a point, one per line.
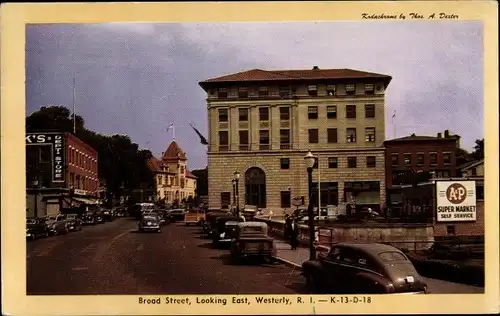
(74, 115)
(394, 124)
(173, 131)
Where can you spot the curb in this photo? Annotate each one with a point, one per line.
(288, 263)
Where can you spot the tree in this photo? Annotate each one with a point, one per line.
(478, 152)
(462, 156)
(201, 181)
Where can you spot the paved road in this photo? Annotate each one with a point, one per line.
(113, 258)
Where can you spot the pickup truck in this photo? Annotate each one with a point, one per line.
(195, 217)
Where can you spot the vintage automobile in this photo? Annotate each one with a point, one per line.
(36, 227)
(176, 214)
(73, 222)
(88, 218)
(193, 217)
(224, 229)
(352, 268)
(107, 215)
(56, 224)
(251, 240)
(99, 218)
(149, 222)
(210, 220)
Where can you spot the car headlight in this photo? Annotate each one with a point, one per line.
(148, 223)
(222, 235)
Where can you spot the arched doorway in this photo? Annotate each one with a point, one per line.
(255, 187)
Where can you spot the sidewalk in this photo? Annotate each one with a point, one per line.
(293, 258)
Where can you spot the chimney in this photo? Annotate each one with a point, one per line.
(413, 135)
(446, 133)
(315, 68)
(439, 135)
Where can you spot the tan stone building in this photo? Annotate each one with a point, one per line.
(262, 123)
(173, 179)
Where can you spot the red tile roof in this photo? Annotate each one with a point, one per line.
(190, 175)
(306, 74)
(174, 152)
(154, 164)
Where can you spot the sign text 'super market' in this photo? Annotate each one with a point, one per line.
(456, 201)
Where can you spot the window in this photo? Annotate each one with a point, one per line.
(369, 110)
(225, 199)
(351, 162)
(264, 113)
(263, 92)
(331, 111)
(351, 135)
(222, 93)
(350, 89)
(450, 229)
(332, 162)
(312, 112)
(264, 140)
(370, 134)
(407, 159)
(433, 158)
(223, 140)
(446, 174)
(243, 114)
(285, 163)
(420, 159)
(243, 140)
(284, 113)
(332, 135)
(243, 92)
(389, 256)
(284, 139)
(286, 199)
(330, 89)
(313, 135)
(45, 154)
(182, 170)
(369, 88)
(350, 111)
(447, 158)
(313, 90)
(480, 191)
(371, 162)
(223, 115)
(284, 91)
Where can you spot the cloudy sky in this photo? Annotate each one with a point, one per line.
(136, 79)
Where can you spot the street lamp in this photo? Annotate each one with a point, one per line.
(236, 178)
(35, 186)
(234, 194)
(309, 159)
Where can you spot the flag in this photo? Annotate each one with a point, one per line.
(203, 140)
(170, 126)
(394, 115)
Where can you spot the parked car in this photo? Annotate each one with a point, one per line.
(149, 222)
(74, 222)
(98, 216)
(251, 240)
(225, 229)
(193, 216)
(176, 214)
(161, 217)
(36, 227)
(56, 224)
(107, 215)
(363, 268)
(88, 218)
(210, 221)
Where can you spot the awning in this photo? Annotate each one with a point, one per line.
(85, 201)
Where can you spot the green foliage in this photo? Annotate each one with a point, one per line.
(201, 181)
(478, 152)
(121, 163)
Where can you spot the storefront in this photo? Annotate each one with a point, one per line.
(362, 195)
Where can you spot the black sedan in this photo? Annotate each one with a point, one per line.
(225, 229)
(149, 222)
(36, 227)
(352, 268)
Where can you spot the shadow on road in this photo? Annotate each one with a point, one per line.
(227, 259)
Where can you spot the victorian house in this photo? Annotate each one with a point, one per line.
(174, 182)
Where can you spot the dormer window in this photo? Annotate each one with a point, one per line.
(263, 91)
(369, 88)
(312, 90)
(330, 89)
(350, 89)
(222, 93)
(242, 92)
(284, 91)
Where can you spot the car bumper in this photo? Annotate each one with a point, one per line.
(225, 240)
(150, 227)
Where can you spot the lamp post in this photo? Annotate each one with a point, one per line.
(35, 186)
(234, 194)
(309, 159)
(236, 179)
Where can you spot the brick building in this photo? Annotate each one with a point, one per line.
(174, 182)
(262, 123)
(55, 163)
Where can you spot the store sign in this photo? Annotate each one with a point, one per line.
(456, 201)
(80, 192)
(56, 142)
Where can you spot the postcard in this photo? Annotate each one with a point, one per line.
(250, 158)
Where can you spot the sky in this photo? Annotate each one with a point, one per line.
(136, 79)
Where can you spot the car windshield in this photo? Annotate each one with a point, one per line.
(31, 221)
(71, 216)
(252, 229)
(51, 218)
(392, 256)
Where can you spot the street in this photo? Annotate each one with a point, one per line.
(112, 258)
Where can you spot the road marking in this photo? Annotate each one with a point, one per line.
(89, 247)
(104, 249)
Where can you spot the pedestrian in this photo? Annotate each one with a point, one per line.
(288, 222)
(294, 233)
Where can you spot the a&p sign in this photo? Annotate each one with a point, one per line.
(456, 201)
